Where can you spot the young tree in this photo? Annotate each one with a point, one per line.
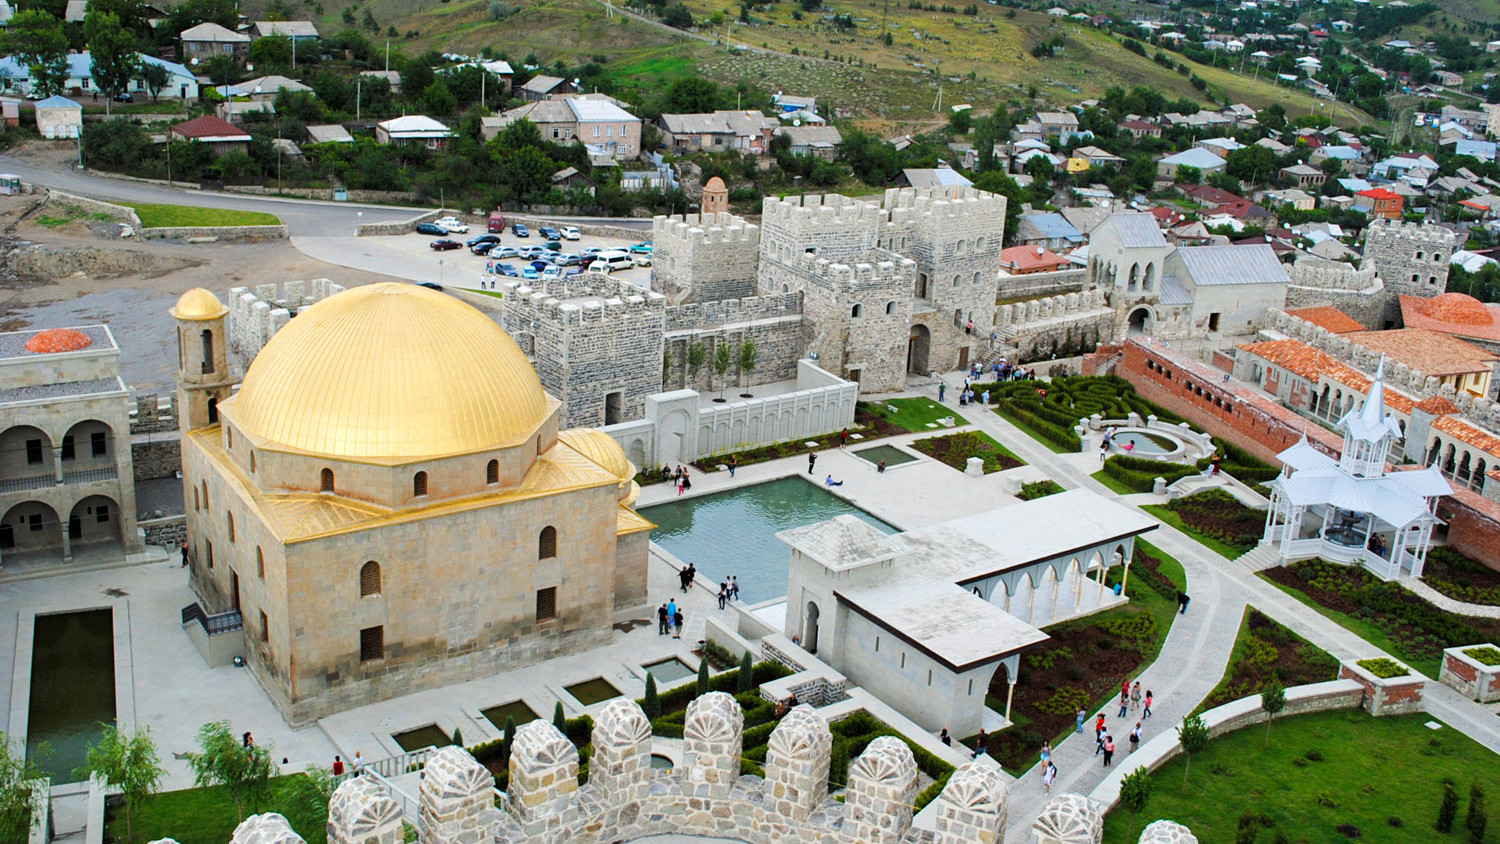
(1476, 821)
(1272, 700)
(19, 800)
(1135, 793)
(702, 677)
(458, 737)
(747, 673)
(651, 703)
(1189, 175)
(129, 763)
(695, 357)
(37, 40)
(222, 69)
(155, 77)
(112, 48)
(559, 718)
(306, 797)
(271, 52)
(1193, 734)
(721, 364)
(509, 738)
(224, 760)
(1448, 809)
(748, 357)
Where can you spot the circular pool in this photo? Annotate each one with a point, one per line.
(1152, 444)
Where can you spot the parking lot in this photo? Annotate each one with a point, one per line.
(411, 257)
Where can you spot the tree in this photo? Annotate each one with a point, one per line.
(306, 796)
(1272, 700)
(19, 799)
(1189, 175)
(721, 364)
(1016, 196)
(1135, 793)
(155, 77)
(271, 52)
(222, 69)
(1476, 821)
(677, 16)
(1448, 809)
(224, 760)
(747, 674)
(37, 40)
(509, 738)
(651, 703)
(112, 48)
(702, 677)
(128, 763)
(695, 357)
(748, 356)
(1252, 164)
(691, 95)
(458, 737)
(559, 720)
(416, 76)
(1193, 735)
(439, 100)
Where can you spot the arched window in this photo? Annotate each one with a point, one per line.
(854, 312)
(195, 499)
(206, 339)
(976, 278)
(205, 493)
(327, 480)
(979, 245)
(957, 280)
(229, 518)
(213, 411)
(369, 579)
(260, 563)
(252, 462)
(1419, 256)
(1432, 279)
(492, 472)
(546, 545)
(419, 484)
(890, 308)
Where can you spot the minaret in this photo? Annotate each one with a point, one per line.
(1369, 432)
(203, 378)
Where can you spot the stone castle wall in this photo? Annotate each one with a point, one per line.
(591, 336)
(1412, 258)
(1061, 325)
(859, 316)
(256, 314)
(1360, 293)
(704, 257)
(772, 322)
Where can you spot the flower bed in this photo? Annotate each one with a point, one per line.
(1384, 668)
(1266, 650)
(1460, 578)
(1485, 655)
(1217, 514)
(956, 449)
(1049, 410)
(1417, 631)
(1039, 489)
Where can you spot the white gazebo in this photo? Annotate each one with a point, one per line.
(1352, 510)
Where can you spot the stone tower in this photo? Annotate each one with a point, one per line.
(704, 257)
(1411, 258)
(715, 197)
(203, 376)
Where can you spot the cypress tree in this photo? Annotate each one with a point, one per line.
(747, 673)
(510, 736)
(1476, 821)
(1448, 810)
(559, 720)
(702, 676)
(458, 736)
(652, 703)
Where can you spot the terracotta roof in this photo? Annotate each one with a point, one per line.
(1466, 433)
(1429, 352)
(1416, 313)
(1380, 193)
(1032, 257)
(209, 126)
(1329, 317)
(1457, 308)
(1437, 405)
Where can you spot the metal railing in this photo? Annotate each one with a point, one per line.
(213, 625)
(77, 476)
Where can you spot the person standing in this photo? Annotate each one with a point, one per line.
(338, 767)
(661, 620)
(1182, 602)
(734, 462)
(1048, 776)
(844, 438)
(677, 624)
(723, 593)
(942, 390)
(945, 738)
(359, 763)
(184, 553)
(671, 612)
(1135, 737)
(1109, 750)
(981, 744)
(1135, 696)
(1046, 753)
(1081, 717)
(734, 587)
(812, 460)
(1146, 713)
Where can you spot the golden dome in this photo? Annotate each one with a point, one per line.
(390, 371)
(603, 450)
(199, 304)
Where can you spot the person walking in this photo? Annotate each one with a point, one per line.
(1109, 750)
(1182, 602)
(1049, 776)
(1135, 696)
(671, 612)
(184, 554)
(942, 390)
(1081, 717)
(945, 738)
(1098, 742)
(1046, 753)
(843, 438)
(723, 593)
(734, 587)
(1146, 713)
(677, 624)
(812, 459)
(734, 462)
(661, 620)
(1124, 704)
(981, 744)
(1135, 737)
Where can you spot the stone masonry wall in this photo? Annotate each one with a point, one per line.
(859, 317)
(159, 457)
(1412, 258)
(1063, 324)
(255, 314)
(1357, 292)
(705, 257)
(772, 322)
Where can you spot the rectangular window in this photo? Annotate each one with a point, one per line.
(546, 603)
(265, 628)
(877, 644)
(208, 553)
(609, 130)
(903, 659)
(68, 449)
(971, 687)
(929, 676)
(371, 644)
(98, 443)
(596, 131)
(34, 522)
(34, 452)
(101, 513)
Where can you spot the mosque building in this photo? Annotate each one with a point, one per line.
(388, 504)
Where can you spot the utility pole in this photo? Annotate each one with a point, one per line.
(358, 87)
(387, 55)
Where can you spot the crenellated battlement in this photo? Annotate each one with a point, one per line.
(692, 231)
(256, 314)
(823, 212)
(585, 298)
(1332, 276)
(702, 316)
(1412, 232)
(890, 269)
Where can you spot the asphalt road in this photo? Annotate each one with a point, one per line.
(303, 218)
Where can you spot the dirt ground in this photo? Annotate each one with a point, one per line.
(80, 272)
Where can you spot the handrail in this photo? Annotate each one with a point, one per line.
(224, 622)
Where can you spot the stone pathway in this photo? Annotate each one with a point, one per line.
(1438, 599)
(1196, 652)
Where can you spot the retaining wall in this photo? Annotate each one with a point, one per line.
(234, 233)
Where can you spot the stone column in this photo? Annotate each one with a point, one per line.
(1167, 832)
(621, 764)
(882, 786)
(797, 764)
(363, 812)
(971, 809)
(1068, 819)
(712, 738)
(269, 828)
(543, 768)
(457, 804)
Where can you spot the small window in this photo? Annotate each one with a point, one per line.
(929, 676)
(205, 493)
(1419, 256)
(492, 472)
(371, 644)
(327, 480)
(877, 644)
(99, 443)
(34, 522)
(903, 659)
(229, 519)
(195, 499)
(260, 563)
(546, 546)
(369, 579)
(252, 462)
(101, 513)
(208, 552)
(855, 311)
(33, 452)
(890, 308)
(546, 603)
(419, 484)
(229, 438)
(265, 627)
(69, 450)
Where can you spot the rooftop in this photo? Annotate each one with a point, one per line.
(1329, 317)
(1137, 230)
(944, 621)
(1453, 313)
(1427, 351)
(23, 344)
(214, 33)
(62, 390)
(210, 128)
(1243, 264)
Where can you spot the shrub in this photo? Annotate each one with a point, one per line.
(1315, 755)
(1134, 628)
(1326, 799)
(1349, 830)
(1476, 820)
(1448, 809)
(1395, 820)
(1039, 489)
(1046, 659)
(1383, 668)
(1486, 655)
(1065, 701)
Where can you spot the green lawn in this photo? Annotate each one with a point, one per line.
(1364, 630)
(915, 415)
(1382, 776)
(1217, 546)
(1170, 568)
(1112, 483)
(207, 815)
(171, 216)
(1016, 421)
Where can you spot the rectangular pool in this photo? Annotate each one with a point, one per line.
(734, 532)
(890, 454)
(670, 670)
(429, 736)
(516, 709)
(590, 692)
(72, 689)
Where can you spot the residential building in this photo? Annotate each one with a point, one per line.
(591, 119)
(1050, 230)
(821, 141)
(181, 83)
(1141, 129)
(299, 31)
(221, 135)
(1465, 367)
(413, 130)
(1202, 160)
(1380, 202)
(1306, 176)
(59, 117)
(1026, 260)
(330, 133)
(543, 87)
(741, 131)
(392, 78)
(1294, 198)
(789, 104)
(207, 40)
(1057, 124)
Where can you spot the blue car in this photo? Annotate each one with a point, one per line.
(529, 272)
(508, 270)
(520, 230)
(431, 228)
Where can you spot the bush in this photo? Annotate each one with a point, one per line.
(1448, 809)
(1383, 668)
(1039, 489)
(1486, 655)
(1065, 701)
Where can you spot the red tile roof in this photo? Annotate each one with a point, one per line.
(208, 126)
(1380, 193)
(1429, 352)
(1452, 313)
(1026, 258)
(1464, 432)
(1301, 359)
(1329, 317)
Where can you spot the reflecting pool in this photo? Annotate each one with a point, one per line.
(72, 689)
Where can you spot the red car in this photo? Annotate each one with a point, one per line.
(443, 244)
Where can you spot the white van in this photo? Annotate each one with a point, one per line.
(612, 261)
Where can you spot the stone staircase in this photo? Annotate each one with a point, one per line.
(1260, 558)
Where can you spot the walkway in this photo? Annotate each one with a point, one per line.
(1438, 599)
(1196, 651)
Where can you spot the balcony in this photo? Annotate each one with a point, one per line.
(27, 483)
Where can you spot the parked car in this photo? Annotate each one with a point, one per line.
(529, 273)
(505, 252)
(567, 260)
(539, 265)
(124, 97)
(483, 248)
(484, 238)
(430, 285)
(452, 225)
(443, 244)
(531, 252)
(507, 270)
(611, 261)
(554, 246)
(593, 250)
(520, 230)
(641, 260)
(642, 248)
(570, 233)
(549, 232)
(430, 228)
(496, 222)
(552, 272)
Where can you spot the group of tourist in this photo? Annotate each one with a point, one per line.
(669, 619)
(728, 590)
(1107, 442)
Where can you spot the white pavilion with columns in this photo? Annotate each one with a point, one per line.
(1352, 510)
